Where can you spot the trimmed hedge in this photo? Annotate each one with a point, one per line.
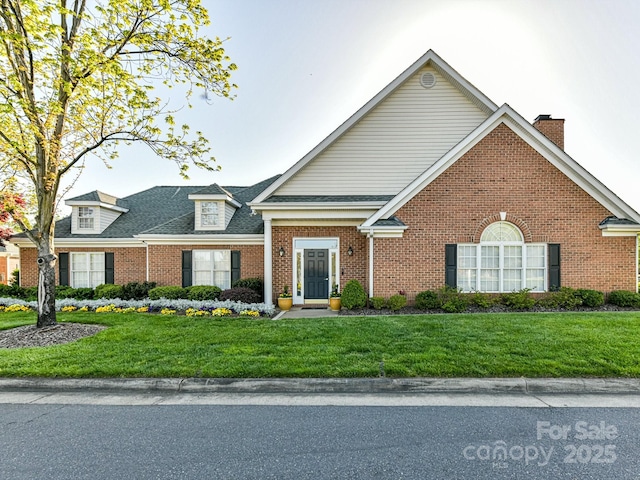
(353, 295)
(240, 294)
(108, 291)
(203, 292)
(168, 292)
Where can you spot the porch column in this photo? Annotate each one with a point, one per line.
(370, 264)
(268, 263)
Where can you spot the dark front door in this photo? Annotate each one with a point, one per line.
(316, 274)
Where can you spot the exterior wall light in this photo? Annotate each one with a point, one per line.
(350, 251)
(281, 251)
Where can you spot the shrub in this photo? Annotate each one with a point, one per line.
(108, 291)
(30, 294)
(64, 291)
(377, 303)
(396, 302)
(240, 294)
(168, 292)
(482, 300)
(452, 300)
(520, 300)
(204, 292)
(254, 284)
(590, 298)
(137, 290)
(353, 295)
(11, 291)
(83, 293)
(624, 298)
(565, 297)
(428, 300)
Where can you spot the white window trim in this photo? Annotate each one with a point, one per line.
(88, 269)
(211, 271)
(199, 215)
(95, 216)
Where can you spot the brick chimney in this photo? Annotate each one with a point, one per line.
(552, 128)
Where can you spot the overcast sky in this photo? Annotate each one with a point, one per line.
(305, 66)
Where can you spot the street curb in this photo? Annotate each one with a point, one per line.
(530, 386)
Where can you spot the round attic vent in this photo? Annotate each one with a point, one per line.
(428, 80)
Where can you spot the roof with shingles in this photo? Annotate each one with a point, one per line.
(327, 198)
(168, 210)
(98, 196)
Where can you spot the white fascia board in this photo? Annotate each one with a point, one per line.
(88, 243)
(430, 56)
(383, 232)
(256, 239)
(260, 207)
(324, 214)
(538, 141)
(620, 230)
(80, 203)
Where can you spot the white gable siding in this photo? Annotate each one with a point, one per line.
(107, 217)
(229, 210)
(392, 145)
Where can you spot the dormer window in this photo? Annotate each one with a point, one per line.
(209, 214)
(86, 218)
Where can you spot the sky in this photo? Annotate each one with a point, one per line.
(304, 67)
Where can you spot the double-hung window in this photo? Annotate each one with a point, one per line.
(502, 262)
(209, 214)
(212, 267)
(86, 218)
(87, 269)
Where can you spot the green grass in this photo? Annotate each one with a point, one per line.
(480, 345)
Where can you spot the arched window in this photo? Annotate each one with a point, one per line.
(502, 262)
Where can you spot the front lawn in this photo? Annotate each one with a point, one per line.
(599, 344)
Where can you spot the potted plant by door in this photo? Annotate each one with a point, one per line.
(334, 299)
(285, 300)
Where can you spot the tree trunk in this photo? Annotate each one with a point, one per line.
(46, 283)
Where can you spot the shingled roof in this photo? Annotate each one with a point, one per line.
(168, 210)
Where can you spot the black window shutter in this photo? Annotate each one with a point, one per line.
(63, 269)
(108, 268)
(451, 265)
(554, 266)
(235, 266)
(186, 268)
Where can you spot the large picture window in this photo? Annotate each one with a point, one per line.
(87, 269)
(212, 267)
(502, 262)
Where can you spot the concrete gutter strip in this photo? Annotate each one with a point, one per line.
(533, 386)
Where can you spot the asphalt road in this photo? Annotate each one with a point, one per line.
(65, 440)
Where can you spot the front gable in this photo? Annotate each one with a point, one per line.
(397, 135)
(523, 132)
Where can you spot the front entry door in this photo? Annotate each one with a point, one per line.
(316, 274)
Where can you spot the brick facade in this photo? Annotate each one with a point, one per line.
(165, 261)
(351, 267)
(503, 174)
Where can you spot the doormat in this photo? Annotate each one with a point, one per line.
(315, 307)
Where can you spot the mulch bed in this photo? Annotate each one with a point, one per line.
(31, 336)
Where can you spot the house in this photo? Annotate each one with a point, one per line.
(429, 183)
(9, 261)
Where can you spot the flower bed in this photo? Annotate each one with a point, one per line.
(191, 308)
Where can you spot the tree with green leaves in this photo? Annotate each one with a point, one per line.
(77, 80)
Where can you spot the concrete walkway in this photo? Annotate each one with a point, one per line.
(302, 312)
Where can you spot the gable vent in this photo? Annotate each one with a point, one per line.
(428, 80)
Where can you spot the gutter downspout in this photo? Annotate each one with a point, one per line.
(370, 235)
(268, 263)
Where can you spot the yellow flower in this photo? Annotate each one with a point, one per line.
(249, 313)
(221, 312)
(17, 308)
(167, 311)
(69, 308)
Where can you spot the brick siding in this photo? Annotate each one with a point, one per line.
(503, 174)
